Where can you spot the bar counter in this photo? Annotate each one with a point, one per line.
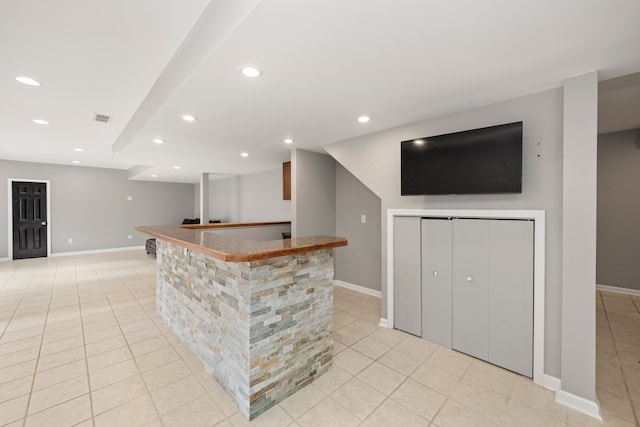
(232, 249)
(257, 314)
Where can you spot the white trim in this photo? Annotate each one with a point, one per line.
(578, 403)
(551, 383)
(97, 251)
(617, 290)
(358, 288)
(4, 259)
(383, 323)
(538, 216)
(10, 213)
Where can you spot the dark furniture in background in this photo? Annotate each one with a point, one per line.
(150, 247)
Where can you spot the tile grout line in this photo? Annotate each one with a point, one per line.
(155, 407)
(633, 407)
(387, 397)
(38, 361)
(80, 314)
(173, 347)
(84, 348)
(17, 305)
(447, 398)
(44, 328)
(171, 332)
(52, 309)
(191, 373)
(328, 395)
(52, 286)
(615, 347)
(450, 398)
(407, 377)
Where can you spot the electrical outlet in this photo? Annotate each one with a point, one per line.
(363, 219)
(130, 236)
(69, 241)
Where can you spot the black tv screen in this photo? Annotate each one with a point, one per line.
(478, 161)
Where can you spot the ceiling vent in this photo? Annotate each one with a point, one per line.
(102, 118)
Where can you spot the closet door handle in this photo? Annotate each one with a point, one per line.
(469, 279)
(435, 273)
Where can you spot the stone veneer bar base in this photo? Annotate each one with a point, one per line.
(262, 328)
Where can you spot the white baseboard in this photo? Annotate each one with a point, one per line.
(383, 323)
(618, 290)
(4, 259)
(580, 404)
(97, 251)
(551, 383)
(358, 288)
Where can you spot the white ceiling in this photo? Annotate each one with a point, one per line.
(324, 63)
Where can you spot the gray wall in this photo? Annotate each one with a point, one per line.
(359, 262)
(313, 194)
(204, 198)
(375, 160)
(255, 197)
(223, 200)
(260, 197)
(579, 186)
(618, 249)
(90, 205)
(196, 201)
(260, 233)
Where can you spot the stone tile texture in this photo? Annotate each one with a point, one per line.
(261, 328)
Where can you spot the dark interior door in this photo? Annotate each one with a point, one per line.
(29, 219)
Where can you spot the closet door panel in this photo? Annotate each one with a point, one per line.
(471, 287)
(511, 295)
(407, 275)
(436, 280)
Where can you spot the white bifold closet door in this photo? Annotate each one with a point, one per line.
(511, 295)
(407, 275)
(493, 292)
(467, 284)
(471, 287)
(436, 280)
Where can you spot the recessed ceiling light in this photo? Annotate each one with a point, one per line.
(28, 81)
(79, 150)
(40, 122)
(419, 141)
(251, 72)
(244, 154)
(189, 118)
(177, 167)
(75, 162)
(363, 119)
(154, 176)
(288, 141)
(158, 141)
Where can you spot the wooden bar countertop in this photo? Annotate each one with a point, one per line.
(234, 249)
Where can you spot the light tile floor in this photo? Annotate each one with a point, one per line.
(81, 345)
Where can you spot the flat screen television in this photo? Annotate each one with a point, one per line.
(479, 161)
